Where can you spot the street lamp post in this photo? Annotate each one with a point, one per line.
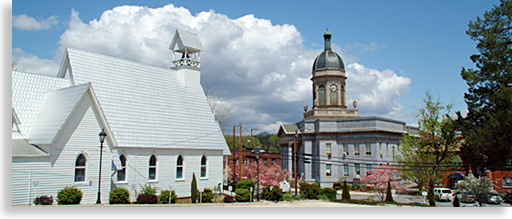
(102, 139)
(258, 172)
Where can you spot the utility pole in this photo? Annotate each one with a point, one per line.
(234, 154)
(240, 162)
(296, 160)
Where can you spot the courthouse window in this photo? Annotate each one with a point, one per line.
(356, 149)
(368, 149)
(345, 169)
(328, 149)
(357, 169)
(328, 170)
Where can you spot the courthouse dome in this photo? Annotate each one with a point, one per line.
(328, 59)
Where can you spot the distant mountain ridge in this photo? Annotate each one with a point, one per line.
(263, 133)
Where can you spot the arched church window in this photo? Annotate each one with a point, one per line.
(121, 174)
(152, 167)
(203, 166)
(179, 167)
(321, 95)
(80, 165)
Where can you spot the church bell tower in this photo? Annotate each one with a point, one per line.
(187, 65)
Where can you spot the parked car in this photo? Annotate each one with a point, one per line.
(443, 194)
(493, 198)
(466, 197)
(508, 198)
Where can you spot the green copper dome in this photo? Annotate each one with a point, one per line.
(328, 59)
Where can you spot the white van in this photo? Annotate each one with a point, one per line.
(443, 194)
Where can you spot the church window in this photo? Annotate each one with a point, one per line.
(80, 165)
(246, 161)
(356, 149)
(121, 174)
(179, 168)
(321, 95)
(203, 166)
(152, 168)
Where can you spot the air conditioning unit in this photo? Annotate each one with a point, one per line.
(328, 154)
(345, 153)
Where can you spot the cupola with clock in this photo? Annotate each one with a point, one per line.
(329, 85)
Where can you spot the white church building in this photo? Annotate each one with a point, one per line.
(158, 124)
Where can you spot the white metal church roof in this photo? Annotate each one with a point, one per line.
(145, 106)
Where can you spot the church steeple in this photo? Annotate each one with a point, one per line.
(188, 67)
(189, 46)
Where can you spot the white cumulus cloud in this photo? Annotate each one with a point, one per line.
(24, 22)
(32, 64)
(261, 70)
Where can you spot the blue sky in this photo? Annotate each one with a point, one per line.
(394, 51)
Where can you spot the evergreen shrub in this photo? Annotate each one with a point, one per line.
(119, 195)
(329, 193)
(345, 195)
(309, 191)
(207, 196)
(242, 195)
(69, 195)
(163, 198)
(336, 185)
(228, 199)
(276, 194)
(193, 188)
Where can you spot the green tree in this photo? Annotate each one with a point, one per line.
(193, 189)
(486, 127)
(245, 141)
(270, 143)
(424, 156)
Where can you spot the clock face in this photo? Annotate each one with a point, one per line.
(333, 87)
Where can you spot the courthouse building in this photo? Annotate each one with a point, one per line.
(333, 142)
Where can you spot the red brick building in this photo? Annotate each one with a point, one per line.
(504, 177)
(249, 157)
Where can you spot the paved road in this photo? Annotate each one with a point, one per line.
(419, 199)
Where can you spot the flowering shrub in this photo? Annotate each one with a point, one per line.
(379, 178)
(269, 175)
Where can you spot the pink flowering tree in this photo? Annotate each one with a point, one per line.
(270, 175)
(378, 179)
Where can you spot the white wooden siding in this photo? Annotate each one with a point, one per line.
(137, 167)
(80, 134)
